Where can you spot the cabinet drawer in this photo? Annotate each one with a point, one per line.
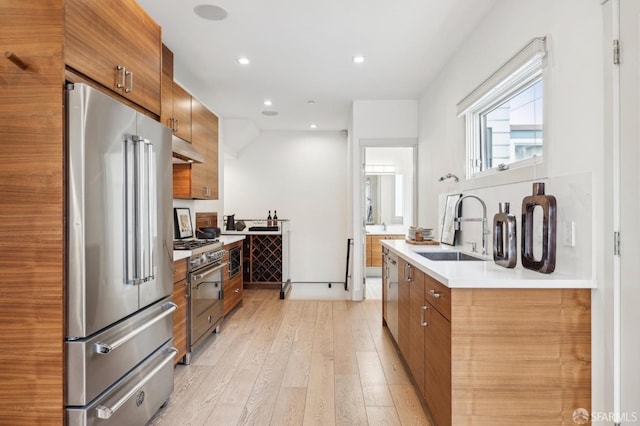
(232, 293)
(179, 270)
(438, 295)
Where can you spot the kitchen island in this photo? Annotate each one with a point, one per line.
(489, 345)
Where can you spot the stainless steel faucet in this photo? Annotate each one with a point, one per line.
(459, 219)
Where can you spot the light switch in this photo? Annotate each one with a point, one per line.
(568, 233)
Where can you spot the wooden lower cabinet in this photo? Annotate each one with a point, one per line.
(233, 286)
(488, 356)
(374, 248)
(416, 357)
(404, 308)
(437, 364)
(180, 314)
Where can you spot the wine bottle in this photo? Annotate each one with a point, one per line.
(269, 220)
(275, 218)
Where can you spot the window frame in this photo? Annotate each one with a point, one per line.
(522, 71)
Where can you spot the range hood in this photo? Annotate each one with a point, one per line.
(185, 151)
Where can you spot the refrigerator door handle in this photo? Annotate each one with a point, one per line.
(105, 348)
(145, 216)
(130, 213)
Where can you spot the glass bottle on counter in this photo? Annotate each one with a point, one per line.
(275, 218)
(269, 220)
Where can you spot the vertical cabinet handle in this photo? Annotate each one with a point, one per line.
(177, 123)
(130, 75)
(407, 272)
(423, 309)
(120, 76)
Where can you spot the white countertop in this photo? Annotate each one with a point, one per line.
(230, 239)
(226, 239)
(478, 274)
(247, 232)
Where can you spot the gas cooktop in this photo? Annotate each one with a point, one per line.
(192, 244)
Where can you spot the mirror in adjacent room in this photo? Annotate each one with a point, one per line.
(389, 204)
(388, 188)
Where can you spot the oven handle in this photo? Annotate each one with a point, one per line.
(106, 412)
(199, 276)
(105, 348)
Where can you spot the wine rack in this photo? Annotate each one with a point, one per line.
(264, 265)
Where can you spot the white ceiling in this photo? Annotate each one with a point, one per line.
(302, 50)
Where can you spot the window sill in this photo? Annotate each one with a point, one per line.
(515, 174)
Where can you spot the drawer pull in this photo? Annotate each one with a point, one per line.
(105, 413)
(423, 309)
(106, 348)
(237, 290)
(435, 294)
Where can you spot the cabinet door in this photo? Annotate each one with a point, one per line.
(204, 137)
(116, 44)
(376, 250)
(180, 320)
(92, 47)
(180, 314)
(143, 59)
(417, 320)
(166, 102)
(437, 362)
(403, 308)
(182, 112)
(212, 157)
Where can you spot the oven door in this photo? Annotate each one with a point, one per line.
(205, 307)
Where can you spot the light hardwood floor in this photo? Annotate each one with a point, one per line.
(295, 362)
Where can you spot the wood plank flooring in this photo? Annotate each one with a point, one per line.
(295, 362)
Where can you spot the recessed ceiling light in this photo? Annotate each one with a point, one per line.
(268, 102)
(244, 61)
(313, 126)
(270, 113)
(210, 12)
(311, 102)
(358, 59)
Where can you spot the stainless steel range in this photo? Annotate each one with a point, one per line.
(204, 292)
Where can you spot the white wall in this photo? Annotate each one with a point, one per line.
(373, 123)
(303, 176)
(574, 145)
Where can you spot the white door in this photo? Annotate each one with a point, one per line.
(630, 208)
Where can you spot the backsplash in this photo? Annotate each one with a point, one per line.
(574, 213)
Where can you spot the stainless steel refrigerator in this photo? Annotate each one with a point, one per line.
(119, 325)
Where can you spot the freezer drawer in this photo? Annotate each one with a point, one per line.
(135, 398)
(95, 363)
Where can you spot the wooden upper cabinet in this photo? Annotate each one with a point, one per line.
(117, 44)
(182, 113)
(199, 180)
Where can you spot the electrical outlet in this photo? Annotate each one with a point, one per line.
(568, 233)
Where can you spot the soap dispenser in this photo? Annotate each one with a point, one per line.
(505, 251)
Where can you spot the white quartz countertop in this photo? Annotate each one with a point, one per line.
(181, 254)
(247, 232)
(479, 274)
(230, 239)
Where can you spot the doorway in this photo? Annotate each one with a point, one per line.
(389, 204)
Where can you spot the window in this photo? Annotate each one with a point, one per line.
(504, 115)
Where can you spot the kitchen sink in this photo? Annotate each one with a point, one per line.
(448, 255)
